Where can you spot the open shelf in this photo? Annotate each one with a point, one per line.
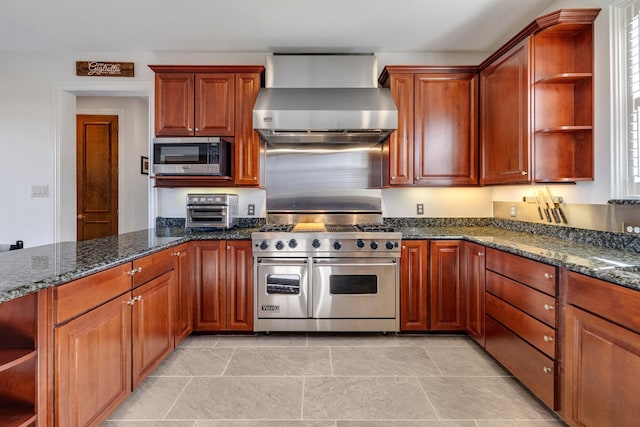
(10, 357)
(564, 78)
(566, 129)
(17, 416)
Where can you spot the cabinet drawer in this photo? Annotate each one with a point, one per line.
(615, 303)
(152, 266)
(535, 332)
(532, 273)
(535, 370)
(539, 305)
(79, 296)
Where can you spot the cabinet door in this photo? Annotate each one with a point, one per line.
(239, 285)
(413, 285)
(248, 148)
(400, 143)
(174, 105)
(183, 306)
(214, 104)
(474, 287)
(504, 118)
(210, 278)
(92, 357)
(602, 366)
(445, 287)
(445, 123)
(152, 325)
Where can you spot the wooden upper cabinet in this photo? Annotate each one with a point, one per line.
(436, 141)
(536, 103)
(446, 141)
(504, 118)
(249, 148)
(214, 104)
(190, 104)
(174, 104)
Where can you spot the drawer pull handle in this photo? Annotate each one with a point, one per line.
(134, 300)
(176, 253)
(547, 338)
(548, 276)
(547, 370)
(548, 307)
(134, 271)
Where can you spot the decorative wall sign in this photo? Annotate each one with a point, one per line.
(144, 165)
(104, 69)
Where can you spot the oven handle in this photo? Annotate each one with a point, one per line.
(282, 261)
(358, 263)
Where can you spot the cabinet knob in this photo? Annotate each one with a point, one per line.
(134, 300)
(547, 338)
(548, 276)
(190, 129)
(548, 307)
(197, 130)
(393, 177)
(176, 253)
(547, 370)
(134, 271)
(480, 253)
(523, 173)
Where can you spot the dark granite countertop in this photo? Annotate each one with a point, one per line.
(29, 270)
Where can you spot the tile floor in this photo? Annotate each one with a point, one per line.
(330, 380)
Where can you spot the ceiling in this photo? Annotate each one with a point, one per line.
(262, 25)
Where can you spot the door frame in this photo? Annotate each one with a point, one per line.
(63, 190)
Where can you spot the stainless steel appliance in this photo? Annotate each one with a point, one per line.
(323, 98)
(191, 156)
(317, 276)
(212, 211)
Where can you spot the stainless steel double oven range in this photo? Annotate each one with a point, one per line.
(326, 275)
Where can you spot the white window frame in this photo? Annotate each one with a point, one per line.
(624, 186)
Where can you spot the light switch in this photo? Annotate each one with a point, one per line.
(39, 191)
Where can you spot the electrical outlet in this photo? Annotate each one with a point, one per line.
(631, 228)
(420, 209)
(39, 191)
(512, 210)
(251, 209)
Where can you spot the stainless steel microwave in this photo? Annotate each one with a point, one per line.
(192, 156)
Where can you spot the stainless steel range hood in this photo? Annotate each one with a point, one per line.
(323, 98)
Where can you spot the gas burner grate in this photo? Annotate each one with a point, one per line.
(382, 228)
(277, 227)
(340, 228)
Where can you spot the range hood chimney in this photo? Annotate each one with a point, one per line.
(323, 99)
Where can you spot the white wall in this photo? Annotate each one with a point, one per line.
(37, 107)
(133, 142)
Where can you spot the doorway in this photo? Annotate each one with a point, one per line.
(96, 176)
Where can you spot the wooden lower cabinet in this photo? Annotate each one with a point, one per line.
(446, 299)
(601, 354)
(92, 358)
(473, 284)
(413, 285)
(224, 286)
(183, 306)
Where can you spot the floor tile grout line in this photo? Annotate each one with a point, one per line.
(226, 367)
(164, 417)
(426, 396)
(304, 383)
(426, 352)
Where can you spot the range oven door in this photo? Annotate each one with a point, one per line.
(282, 288)
(354, 288)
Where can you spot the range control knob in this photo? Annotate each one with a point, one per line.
(373, 245)
(337, 245)
(315, 243)
(293, 243)
(264, 245)
(360, 243)
(389, 245)
(279, 245)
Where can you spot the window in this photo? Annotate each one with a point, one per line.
(625, 70)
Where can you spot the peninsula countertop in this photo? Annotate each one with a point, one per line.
(29, 270)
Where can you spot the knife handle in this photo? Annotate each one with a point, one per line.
(562, 217)
(556, 215)
(540, 212)
(547, 214)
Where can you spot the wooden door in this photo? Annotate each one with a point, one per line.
(446, 303)
(174, 104)
(445, 123)
(92, 356)
(400, 145)
(97, 176)
(211, 293)
(214, 104)
(413, 285)
(474, 288)
(248, 147)
(504, 118)
(152, 325)
(239, 285)
(183, 306)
